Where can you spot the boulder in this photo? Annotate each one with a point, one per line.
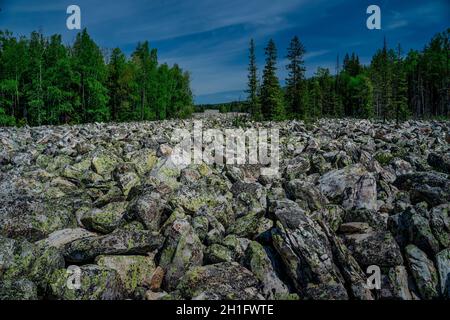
(375, 248)
(443, 267)
(134, 271)
(182, 250)
(120, 242)
(106, 219)
(259, 263)
(440, 224)
(306, 254)
(440, 162)
(95, 283)
(333, 183)
(423, 272)
(226, 281)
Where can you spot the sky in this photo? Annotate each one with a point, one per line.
(210, 38)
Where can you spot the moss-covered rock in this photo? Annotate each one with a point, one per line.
(261, 266)
(423, 272)
(96, 283)
(182, 250)
(35, 219)
(18, 289)
(227, 280)
(246, 226)
(134, 271)
(120, 242)
(144, 160)
(104, 163)
(217, 253)
(106, 219)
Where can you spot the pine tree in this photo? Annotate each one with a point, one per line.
(400, 87)
(253, 99)
(296, 75)
(90, 69)
(34, 90)
(117, 85)
(271, 96)
(146, 72)
(60, 84)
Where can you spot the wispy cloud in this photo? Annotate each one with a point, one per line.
(210, 37)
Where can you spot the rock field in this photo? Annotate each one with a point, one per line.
(108, 199)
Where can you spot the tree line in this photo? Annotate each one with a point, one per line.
(394, 86)
(44, 82)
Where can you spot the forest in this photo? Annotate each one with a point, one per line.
(394, 86)
(44, 82)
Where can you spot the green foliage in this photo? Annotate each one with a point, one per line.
(295, 81)
(44, 82)
(272, 104)
(5, 120)
(391, 87)
(253, 84)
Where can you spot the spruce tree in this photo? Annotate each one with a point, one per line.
(400, 88)
(90, 69)
(296, 75)
(271, 96)
(117, 86)
(253, 99)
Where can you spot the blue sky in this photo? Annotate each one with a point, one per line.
(210, 37)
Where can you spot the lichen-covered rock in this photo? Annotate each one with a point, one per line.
(144, 160)
(106, 219)
(246, 226)
(431, 187)
(410, 227)
(126, 176)
(236, 245)
(18, 289)
(148, 208)
(227, 280)
(217, 253)
(440, 162)
(34, 219)
(440, 224)
(16, 258)
(104, 163)
(353, 275)
(363, 195)
(96, 283)
(211, 192)
(423, 272)
(374, 248)
(117, 194)
(331, 214)
(60, 238)
(120, 242)
(395, 285)
(307, 192)
(297, 167)
(306, 254)
(373, 218)
(333, 183)
(443, 267)
(20, 259)
(182, 250)
(259, 263)
(134, 271)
